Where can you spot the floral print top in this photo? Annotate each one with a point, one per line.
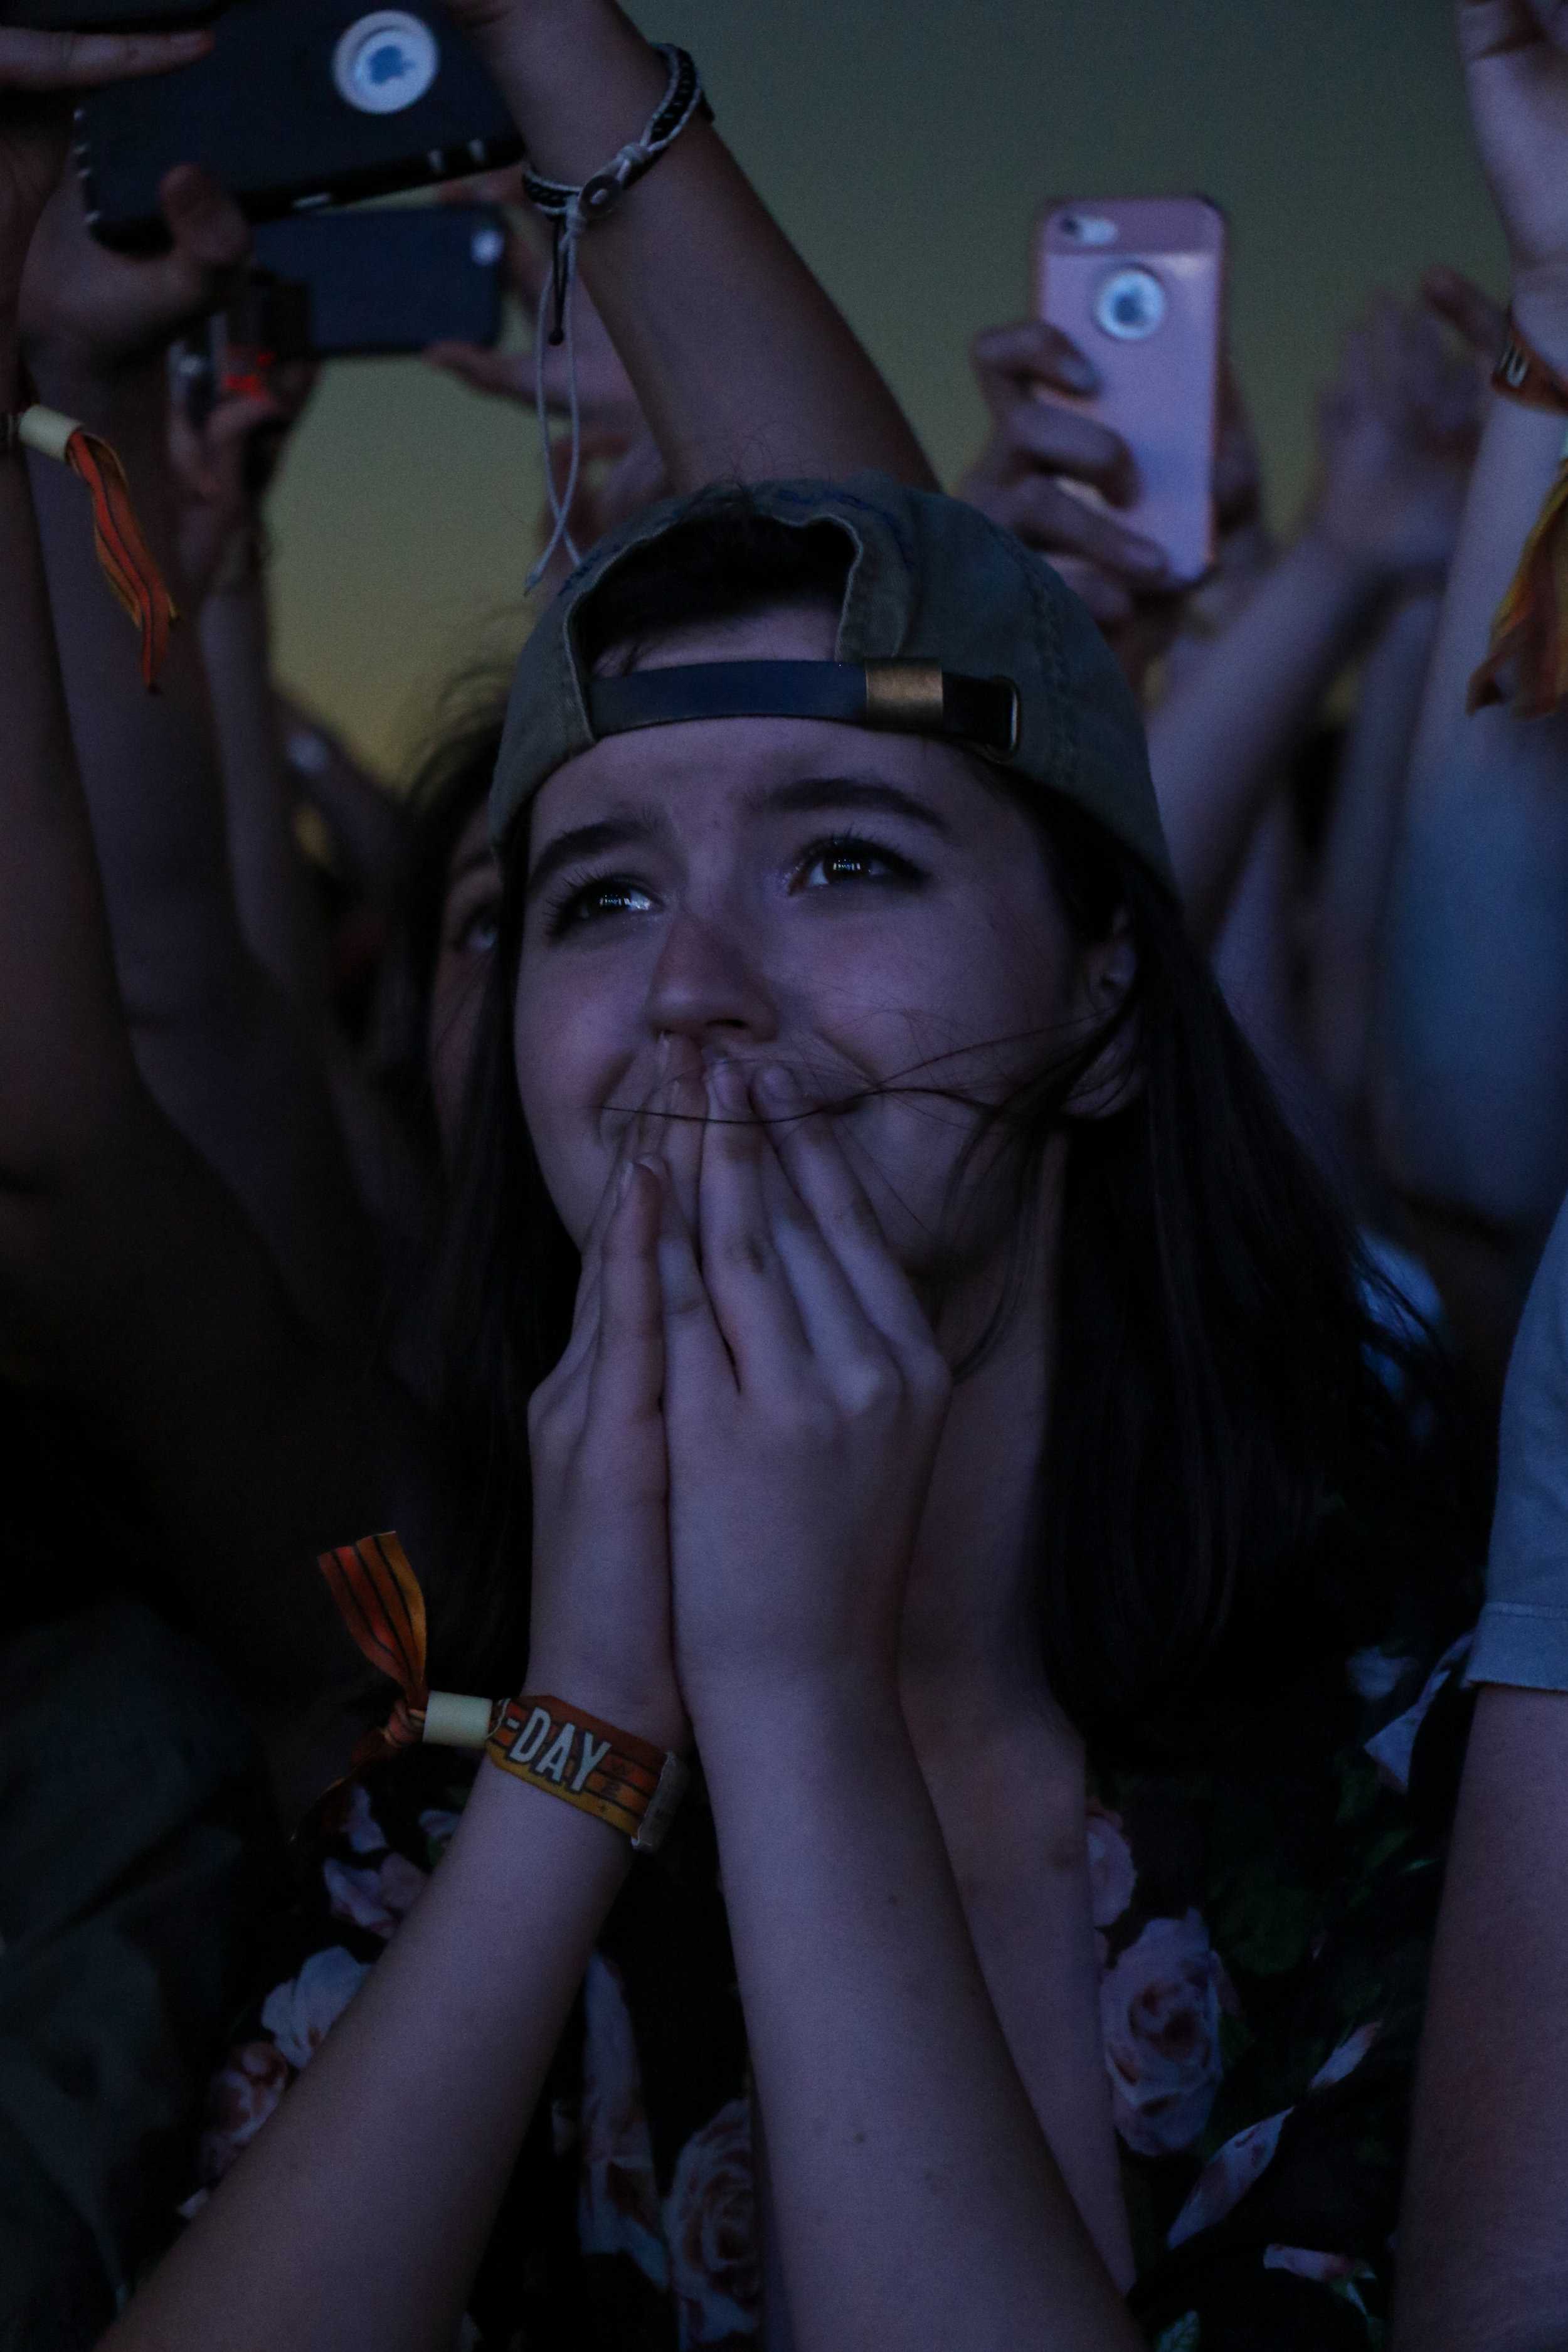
(1264, 1926)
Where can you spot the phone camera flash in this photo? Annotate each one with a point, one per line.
(1087, 228)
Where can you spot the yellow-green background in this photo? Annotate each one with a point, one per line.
(906, 144)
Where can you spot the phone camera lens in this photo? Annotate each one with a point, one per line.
(1131, 306)
(385, 61)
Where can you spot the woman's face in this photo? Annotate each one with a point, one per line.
(856, 905)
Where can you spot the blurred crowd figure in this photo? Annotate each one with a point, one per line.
(290, 1253)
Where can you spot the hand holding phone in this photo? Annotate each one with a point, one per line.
(1137, 285)
(109, 16)
(1042, 453)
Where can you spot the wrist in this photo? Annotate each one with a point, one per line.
(782, 1712)
(68, 379)
(644, 1704)
(578, 77)
(1355, 577)
(1539, 301)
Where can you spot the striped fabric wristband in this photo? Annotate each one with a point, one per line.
(624, 1781)
(124, 557)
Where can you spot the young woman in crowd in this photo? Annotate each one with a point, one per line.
(915, 1366)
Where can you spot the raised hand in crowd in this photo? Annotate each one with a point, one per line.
(741, 363)
(1395, 436)
(1469, 1090)
(1042, 453)
(132, 1283)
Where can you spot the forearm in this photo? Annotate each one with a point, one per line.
(743, 367)
(1484, 2226)
(272, 889)
(1010, 1788)
(1368, 799)
(1471, 1050)
(358, 2217)
(1254, 961)
(918, 2203)
(1218, 741)
(64, 1061)
(219, 1050)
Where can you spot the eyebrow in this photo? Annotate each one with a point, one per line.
(587, 841)
(814, 794)
(476, 860)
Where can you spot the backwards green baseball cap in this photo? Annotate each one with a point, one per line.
(950, 627)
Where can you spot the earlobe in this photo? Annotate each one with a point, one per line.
(1108, 975)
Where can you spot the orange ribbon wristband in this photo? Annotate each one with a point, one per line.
(1530, 629)
(626, 1781)
(124, 557)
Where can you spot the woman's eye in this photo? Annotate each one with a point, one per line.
(829, 863)
(588, 902)
(478, 932)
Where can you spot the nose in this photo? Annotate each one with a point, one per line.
(708, 987)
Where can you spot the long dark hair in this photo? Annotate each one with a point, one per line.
(1250, 1465)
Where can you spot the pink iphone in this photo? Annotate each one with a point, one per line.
(1138, 282)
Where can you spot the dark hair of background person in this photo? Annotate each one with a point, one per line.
(451, 781)
(1248, 1471)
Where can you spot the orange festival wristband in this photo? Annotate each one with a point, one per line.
(124, 557)
(626, 1781)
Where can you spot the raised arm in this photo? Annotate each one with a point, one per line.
(1395, 433)
(130, 1279)
(1483, 2233)
(216, 1042)
(224, 466)
(1471, 1086)
(743, 367)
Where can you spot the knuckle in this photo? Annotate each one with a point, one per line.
(870, 1386)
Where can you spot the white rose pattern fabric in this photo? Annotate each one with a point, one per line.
(1263, 1927)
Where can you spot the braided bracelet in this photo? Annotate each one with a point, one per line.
(572, 210)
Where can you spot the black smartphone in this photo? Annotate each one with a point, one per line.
(303, 103)
(350, 286)
(107, 16)
(393, 280)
